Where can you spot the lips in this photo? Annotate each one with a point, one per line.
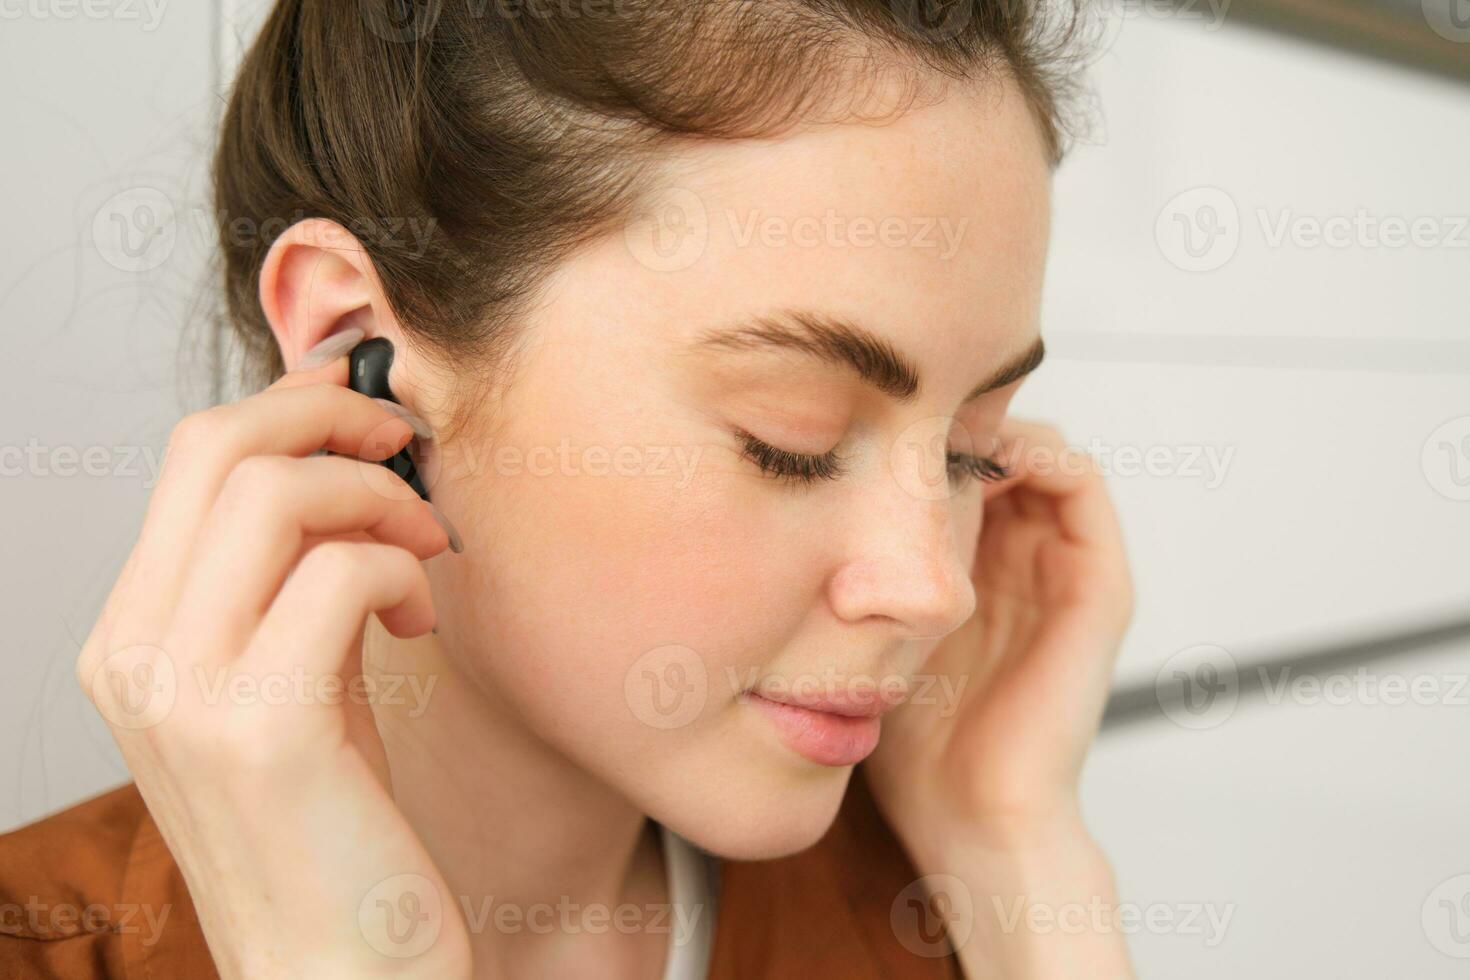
(830, 729)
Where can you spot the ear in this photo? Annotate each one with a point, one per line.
(317, 279)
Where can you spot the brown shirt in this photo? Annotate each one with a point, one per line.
(93, 892)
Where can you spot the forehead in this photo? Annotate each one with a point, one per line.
(930, 227)
(940, 213)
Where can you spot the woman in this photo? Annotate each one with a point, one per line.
(706, 317)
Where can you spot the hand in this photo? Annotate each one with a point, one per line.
(256, 562)
(997, 767)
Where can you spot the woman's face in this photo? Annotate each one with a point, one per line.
(630, 569)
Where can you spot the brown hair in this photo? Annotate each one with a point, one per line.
(471, 144)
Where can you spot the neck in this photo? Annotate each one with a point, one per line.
(516, 828)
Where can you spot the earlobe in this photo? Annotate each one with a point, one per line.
(316, 279)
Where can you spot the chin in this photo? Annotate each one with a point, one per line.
(763, 817)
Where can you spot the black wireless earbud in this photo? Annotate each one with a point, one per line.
(368, 373)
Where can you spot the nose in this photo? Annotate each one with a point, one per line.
(907, 566)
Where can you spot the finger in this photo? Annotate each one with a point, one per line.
(292, 420)
(318, 615)
(333, 372)
(1066, 478)
(258, 528)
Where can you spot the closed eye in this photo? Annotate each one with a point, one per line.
(806, 468)
(802, 468)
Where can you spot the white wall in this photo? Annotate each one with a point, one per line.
(106, 124)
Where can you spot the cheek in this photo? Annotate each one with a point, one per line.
(608, 545)
(575, 583)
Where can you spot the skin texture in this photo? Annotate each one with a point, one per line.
(523, 751)
(857, 576)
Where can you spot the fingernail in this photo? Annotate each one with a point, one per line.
(419, 426)
(455, 545)
(330, 348)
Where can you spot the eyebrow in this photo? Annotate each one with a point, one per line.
(838, 341)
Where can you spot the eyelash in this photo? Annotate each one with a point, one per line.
(806, 469)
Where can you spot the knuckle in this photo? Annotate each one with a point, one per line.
(403, 566)
(195, 436)
(132, 685)
(197, 428)
(88, 659)
(83, 670)
(258, 481)
(355, 567)
(334, 566)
